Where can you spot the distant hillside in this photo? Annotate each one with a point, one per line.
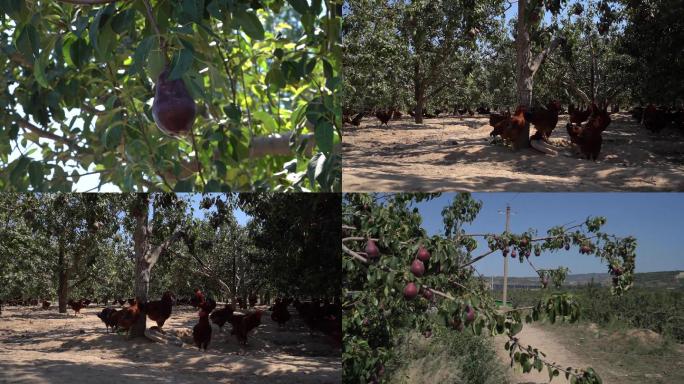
(666, 279)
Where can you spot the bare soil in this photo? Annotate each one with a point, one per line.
(44, 346)
(625, 357)
(455, 153)
(555, 351)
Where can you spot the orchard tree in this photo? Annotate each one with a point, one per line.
(153, 234)
(422, 43)
(170, 95)
(75, 229)
(395, 276)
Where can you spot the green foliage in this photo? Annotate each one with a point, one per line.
(377, 312)
(252, 68)
(290, 246)
(445, 356)
(657, 309)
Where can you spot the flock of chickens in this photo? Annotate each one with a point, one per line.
(585, 127)
(318, 315)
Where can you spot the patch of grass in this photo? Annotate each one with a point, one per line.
(624, 355)
(446, 357)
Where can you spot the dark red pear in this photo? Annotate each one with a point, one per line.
(470, 315)
(427, 294)
(423, 254)
(372, 250)
(173, 108)
(417, 268)
(410, 291)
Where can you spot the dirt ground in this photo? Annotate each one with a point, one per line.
(454, 153)
(44, 346)
(554, 350)
(632, 356)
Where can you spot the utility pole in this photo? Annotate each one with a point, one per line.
(505, 281)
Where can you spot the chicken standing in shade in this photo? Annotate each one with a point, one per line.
(280, 313)
(76, 306)
(201, 332)
(160, 311)
(222, 316)
(242, 324)
(109, 317)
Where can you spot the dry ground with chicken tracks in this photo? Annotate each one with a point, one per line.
(44, 346)
(454, 153)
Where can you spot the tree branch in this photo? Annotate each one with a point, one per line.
(537, 62)
(46, 134)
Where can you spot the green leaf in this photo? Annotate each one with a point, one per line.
(324, 133)
(113, 135)
(181, 63)
(233, 112)
(184, 186)
(315, 168)
(267, 120)
(251, 24)
(141, 53)
(193, 9)
(19, 170)
(36, 173)
(301, 6)
(516, 328)
(28, 42)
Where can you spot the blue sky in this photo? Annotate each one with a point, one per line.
(655, 219)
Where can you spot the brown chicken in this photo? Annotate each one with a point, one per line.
(160, 310)
(588, 137)
(76, 306)
(578, 116)
(545, 120)
(655, 119)
(109, 317)
(222, 316)
(384, 116)
(280, 313)
(242, 324)
(128, 316)
(201, 332)
(511, 128)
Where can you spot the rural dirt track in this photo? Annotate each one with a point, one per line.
(453, 153)
(547, 343)
(43, 346)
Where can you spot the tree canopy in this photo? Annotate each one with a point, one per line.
(79, 80)
(84, 244)
(465, 54)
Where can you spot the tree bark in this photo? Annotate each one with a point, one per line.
(523, 71)
(142, 267)
(146, 257)
(418, 93)
(63, 288)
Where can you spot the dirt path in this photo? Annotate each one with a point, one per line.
(547, 343)
(454, 153)
(43, 346)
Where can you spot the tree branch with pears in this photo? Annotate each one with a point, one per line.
(405, 272)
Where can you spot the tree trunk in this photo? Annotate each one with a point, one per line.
(418, 93)
(142, 266)
(524, 73)
(63, 288)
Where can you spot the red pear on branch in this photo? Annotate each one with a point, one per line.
(372, 250)
(410, 291)
(423, 254)
(417, 268)
(173, 108)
